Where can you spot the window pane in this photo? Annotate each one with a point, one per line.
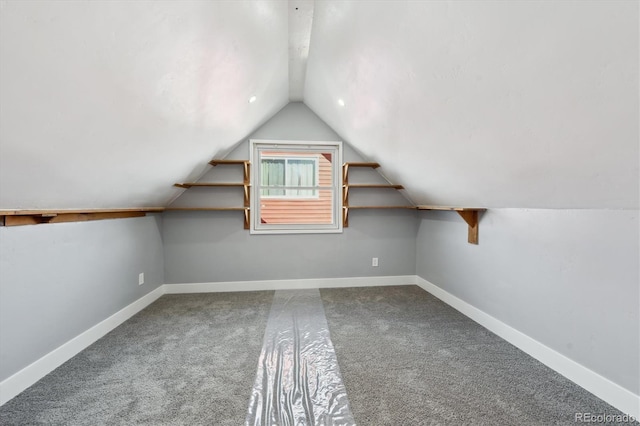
(272, 173)
(301, 172)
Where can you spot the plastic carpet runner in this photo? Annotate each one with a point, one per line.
(298, 381)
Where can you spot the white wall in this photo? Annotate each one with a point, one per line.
(214, 247)
(566, 278)
(59, 280)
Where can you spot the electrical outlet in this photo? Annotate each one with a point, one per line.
(141, 278)
(374, 261)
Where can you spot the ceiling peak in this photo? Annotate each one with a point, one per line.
(300, 23)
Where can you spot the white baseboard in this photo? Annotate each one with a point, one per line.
(288, 284)
(619, 397)
(18, 382)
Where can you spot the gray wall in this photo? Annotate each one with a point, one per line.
(58, 280)
(214, 247)
(567, 278)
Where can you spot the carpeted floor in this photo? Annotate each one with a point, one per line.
(408, 359)
(185, 360)
(405, 358)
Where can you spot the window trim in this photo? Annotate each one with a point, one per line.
(335, 147)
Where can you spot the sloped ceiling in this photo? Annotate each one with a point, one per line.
(106, 104)
(487, 103)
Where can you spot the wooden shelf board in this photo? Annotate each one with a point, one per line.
(206, 209)
(53, 212)
(372, 185)
(209, 184)
(362, 164)
(37, 217)
(216, 162)
(379, 207)
(449, 208)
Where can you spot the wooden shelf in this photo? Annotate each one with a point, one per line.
(455, 209)
(362, 164)
(245, 163)
(206, 209)
(373, 185)
(245, 184)
(346, 166)
(468, 214)
(379, 207)
(36, 217)
(209, 184)
(346, 186)
(216, 162)
(77, 211)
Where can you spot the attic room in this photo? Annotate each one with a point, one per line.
(319, 212)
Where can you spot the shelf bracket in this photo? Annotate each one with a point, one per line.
(471, 217)
(247, 199)
(468, 214)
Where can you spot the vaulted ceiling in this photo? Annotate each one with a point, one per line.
(500, 104)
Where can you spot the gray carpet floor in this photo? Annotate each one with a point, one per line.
(185, 360)
(409, 359)
(405, 357)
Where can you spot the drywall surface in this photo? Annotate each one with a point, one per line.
(202, 247)
(58, 280)
(113, 100)
(214, 247)
(566, 278)
(485, 103)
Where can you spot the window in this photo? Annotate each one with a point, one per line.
(295, 187)
(288, 177)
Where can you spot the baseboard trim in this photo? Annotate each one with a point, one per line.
(610, 392)
(230, 286)
(18, 382)
(23, 379)
(603, 388)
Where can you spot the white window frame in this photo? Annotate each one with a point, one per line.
(256, 146)
(286, 195)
